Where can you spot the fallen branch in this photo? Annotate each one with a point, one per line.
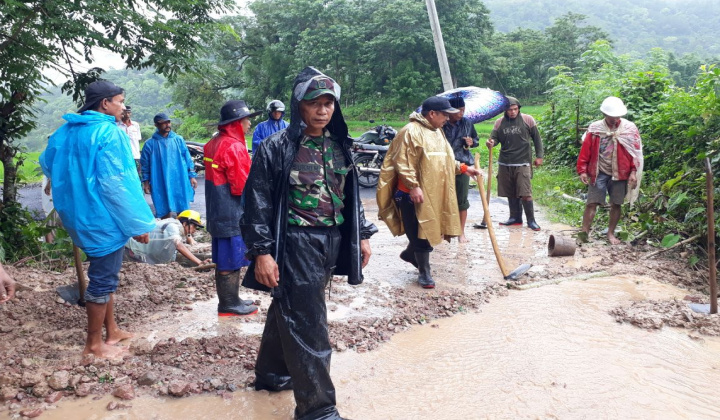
(660, 251)
(584, 276)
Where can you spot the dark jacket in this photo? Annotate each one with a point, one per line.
(227, 164)
(265, 218)
(464, 128)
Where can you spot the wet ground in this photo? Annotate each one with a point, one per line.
(469, 349)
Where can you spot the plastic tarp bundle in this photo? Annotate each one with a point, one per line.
(95, 186)
(162, 247)
(166, 163)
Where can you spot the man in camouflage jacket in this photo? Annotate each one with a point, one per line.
(303, 222)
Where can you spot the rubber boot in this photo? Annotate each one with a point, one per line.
(408, 256)
(530, 215)
(230, 304)
(425, 279)
(515, 213)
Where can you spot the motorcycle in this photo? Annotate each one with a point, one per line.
(197, 154)
(369, 153)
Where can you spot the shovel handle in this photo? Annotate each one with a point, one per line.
(491, 231)
(82, 284)
(489, 183)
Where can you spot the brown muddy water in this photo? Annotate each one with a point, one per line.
(548, 352)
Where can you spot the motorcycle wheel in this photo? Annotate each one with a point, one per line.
(365, 179)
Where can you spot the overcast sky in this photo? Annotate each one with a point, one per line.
(108, 60)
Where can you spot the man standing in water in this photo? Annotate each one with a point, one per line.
(416, 192)
(515, 132)
(303, 221)
(95, 192)
(610, 163)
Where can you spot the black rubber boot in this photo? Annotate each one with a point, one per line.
(425, 279)
(230, 304)
(530, 215)
(515, 213)
(408, 256)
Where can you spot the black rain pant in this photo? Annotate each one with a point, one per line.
(295, 348)
(410, 223)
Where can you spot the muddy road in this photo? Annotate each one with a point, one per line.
(621, 345)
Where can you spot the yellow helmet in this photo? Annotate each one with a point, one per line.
(191, 216)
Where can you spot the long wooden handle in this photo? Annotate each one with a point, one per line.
(489, 184)
(82, 284)
(711, 236)
(491, 231)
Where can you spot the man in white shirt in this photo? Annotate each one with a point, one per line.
(132, 129)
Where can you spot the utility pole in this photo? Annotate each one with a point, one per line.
(439, 45)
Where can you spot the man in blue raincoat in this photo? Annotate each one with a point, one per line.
(95, 192)
(274, 123)
(168, 171)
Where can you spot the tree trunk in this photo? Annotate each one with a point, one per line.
(7, 157)
(7, 151)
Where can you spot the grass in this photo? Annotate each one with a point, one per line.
(30, 171)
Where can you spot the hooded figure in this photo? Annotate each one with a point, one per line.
(303, 221)
(227, 164)
(517, 134)
(274, 123)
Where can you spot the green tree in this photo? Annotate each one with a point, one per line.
(36, 35)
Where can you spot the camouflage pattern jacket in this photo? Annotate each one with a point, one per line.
(266, 197)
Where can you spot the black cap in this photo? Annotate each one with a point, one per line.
(128, 108)
(97, 91)
(457, 102)
(161, 117)
(235, 110)
(438, 103)
(513, 101)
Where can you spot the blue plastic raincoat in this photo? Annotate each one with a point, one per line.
(266, 128)
(166, 163)
(95, 186)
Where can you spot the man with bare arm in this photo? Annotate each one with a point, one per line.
(610, 163)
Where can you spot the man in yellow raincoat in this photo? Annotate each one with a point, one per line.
(416, 192)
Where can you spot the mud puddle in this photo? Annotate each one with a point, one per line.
(550, 352)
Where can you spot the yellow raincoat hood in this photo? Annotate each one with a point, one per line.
(420, 156)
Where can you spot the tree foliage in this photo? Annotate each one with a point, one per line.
(36, 35)
(679, 127)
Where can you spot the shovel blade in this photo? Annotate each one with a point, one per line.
(70, 294)
(516, 273)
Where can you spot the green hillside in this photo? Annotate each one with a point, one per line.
(635, 26)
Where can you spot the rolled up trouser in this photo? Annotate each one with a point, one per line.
(296, 340)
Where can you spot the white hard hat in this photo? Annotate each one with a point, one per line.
(613, 107)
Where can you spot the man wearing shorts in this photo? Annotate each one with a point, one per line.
(610, 163)
(96, 194)
(516, 132)
(461, 135)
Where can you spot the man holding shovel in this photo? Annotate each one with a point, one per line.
(515, 132)
(96, 190)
